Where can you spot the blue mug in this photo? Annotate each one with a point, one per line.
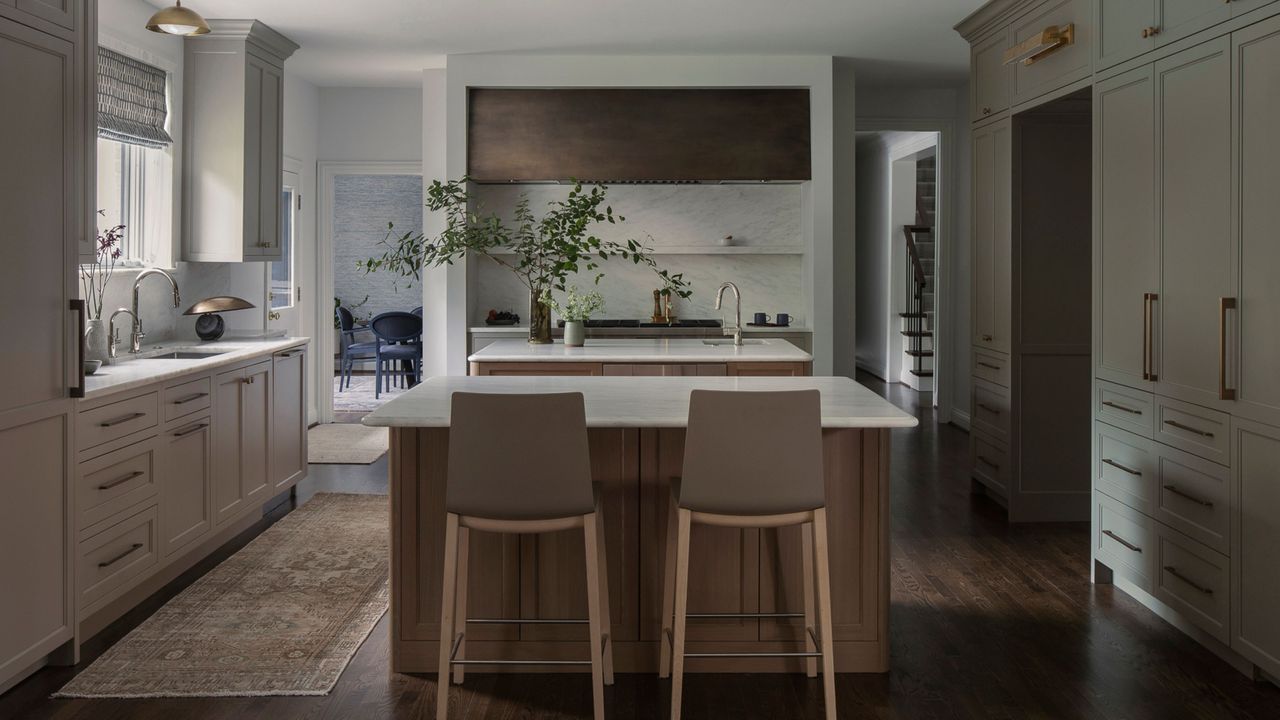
(783, 320)
(761, 319)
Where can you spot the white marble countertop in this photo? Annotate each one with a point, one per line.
(523, 330)
(640, 402)
(131, 371)
(642, 350)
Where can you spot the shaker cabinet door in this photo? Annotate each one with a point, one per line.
(1123, 30)
(992, 185)
(1256, 544)
(185, 510)
(1193, 142)
(1126, 259)
(255, 445)
(228, 440)
(991, 77)
(289, 420)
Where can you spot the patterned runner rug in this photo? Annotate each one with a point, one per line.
(283, 616)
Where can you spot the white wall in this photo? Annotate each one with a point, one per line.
(873, 258)
(359, 124)
(444, 136)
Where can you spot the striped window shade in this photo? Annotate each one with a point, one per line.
(131, 101)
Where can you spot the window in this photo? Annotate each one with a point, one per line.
(134, 191)
(281, 279)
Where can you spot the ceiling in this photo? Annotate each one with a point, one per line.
(389, 42)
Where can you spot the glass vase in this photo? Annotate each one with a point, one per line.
(539, 320)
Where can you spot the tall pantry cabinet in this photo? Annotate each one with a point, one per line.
(46, 53)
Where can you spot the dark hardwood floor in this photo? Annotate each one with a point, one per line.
(988, 621)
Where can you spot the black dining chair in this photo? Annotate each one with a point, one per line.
(351, 350)
(398, 337)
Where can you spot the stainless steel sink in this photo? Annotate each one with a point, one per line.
(185, 355)
(729, 341)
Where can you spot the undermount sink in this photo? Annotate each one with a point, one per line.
(729, 341)
(185, 355)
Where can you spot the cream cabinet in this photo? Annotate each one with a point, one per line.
(1059, 67)
(989, 85)
(241, 449)
(234, 125)
(1256, 544)
(992, 187)
(1129, 28)
(288, 418)
(186, 510)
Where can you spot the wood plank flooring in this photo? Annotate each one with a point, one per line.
(988, 621)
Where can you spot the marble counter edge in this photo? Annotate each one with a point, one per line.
(98, 385)
(689, 350)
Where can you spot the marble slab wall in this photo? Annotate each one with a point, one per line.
(160, 320)
(682, 217)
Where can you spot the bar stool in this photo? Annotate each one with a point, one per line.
(751, 460)
(538, 481)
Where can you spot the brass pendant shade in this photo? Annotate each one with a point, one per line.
(220, 303)
(178, 20)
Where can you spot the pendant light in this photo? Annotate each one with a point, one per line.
(178, 20)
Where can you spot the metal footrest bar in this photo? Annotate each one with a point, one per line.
(753, 654)
(705, 616)
(519, 662)
(526, 621)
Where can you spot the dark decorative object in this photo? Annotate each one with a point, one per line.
(209, 326)
(504, 317)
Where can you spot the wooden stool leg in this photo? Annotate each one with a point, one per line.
(460, 612)
(824, 611)
(810, 622)
(448, 594)
(668, 593)
(685, 521)
(606, 619)
(594, 613)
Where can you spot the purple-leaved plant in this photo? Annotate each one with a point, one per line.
(95, 275)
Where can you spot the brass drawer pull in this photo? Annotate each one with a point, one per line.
(120, 420)
(1122, 541)
(187, 431)
(989, 365)
(1121, 408)
(986, 338)
(132, 549)
(1149, 32)
(1188, 428)
(1117, 465)
(988, 408)
(190, 398)
(988, 463)
(121, 480)
(1174, 572)
(1199, 501)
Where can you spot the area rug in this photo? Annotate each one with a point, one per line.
(283, 616)
(346, 444)
(359, 397)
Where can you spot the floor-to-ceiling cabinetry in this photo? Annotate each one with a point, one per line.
(1185, 396)
(43, 141)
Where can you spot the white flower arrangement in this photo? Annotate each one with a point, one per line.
(577, 305)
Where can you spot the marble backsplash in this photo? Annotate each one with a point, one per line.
(160, 320)
(671, 215)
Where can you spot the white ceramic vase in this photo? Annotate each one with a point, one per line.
(575, 333)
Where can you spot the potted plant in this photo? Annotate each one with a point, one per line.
(543, 252)
(94, 277)
(576, 310)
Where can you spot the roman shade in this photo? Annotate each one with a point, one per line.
(131, 101)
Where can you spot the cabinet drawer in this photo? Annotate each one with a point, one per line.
(113, 557)
(186, 398)
(114, 482)
(1125, 408)
(1194, 580)
(1125, 467)
(1193, 495)
(110, 422)
(990, 411)
(1123, 540)
(1058, 67)
(989, 463)
(991, 367)
(1199, 431)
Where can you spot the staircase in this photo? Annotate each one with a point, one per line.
(917, 325)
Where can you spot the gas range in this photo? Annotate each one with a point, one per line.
(631, 323)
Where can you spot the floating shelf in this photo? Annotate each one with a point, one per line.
(718, 250)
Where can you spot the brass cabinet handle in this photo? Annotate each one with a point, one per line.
(986, 338)
(1114, 464)
(1188, 428)
(1120, 407)
(989, 365)
(187, 431)
(1224, 392)
(986, 111)
(988, 408)
(190, 398)
(124, 419)
(132, 549)
(1174, 572)
(1180, 493)
(1150, 31)
(1148, 343)
(1122, 541)
(121, 480)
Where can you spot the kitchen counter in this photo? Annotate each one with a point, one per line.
(132, 371)
(523, 331)
(641, 350)
(637, 437)
(658, 402)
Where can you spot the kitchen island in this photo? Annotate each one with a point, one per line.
(636, 428)
(701, 357)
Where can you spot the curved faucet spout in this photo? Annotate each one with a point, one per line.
(136, 340)
(737, 310)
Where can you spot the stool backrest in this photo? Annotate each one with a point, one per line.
(753, 453)
(396, 326)
(518, 456)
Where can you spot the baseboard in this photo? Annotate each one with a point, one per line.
(960, 419)
(867, 366)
